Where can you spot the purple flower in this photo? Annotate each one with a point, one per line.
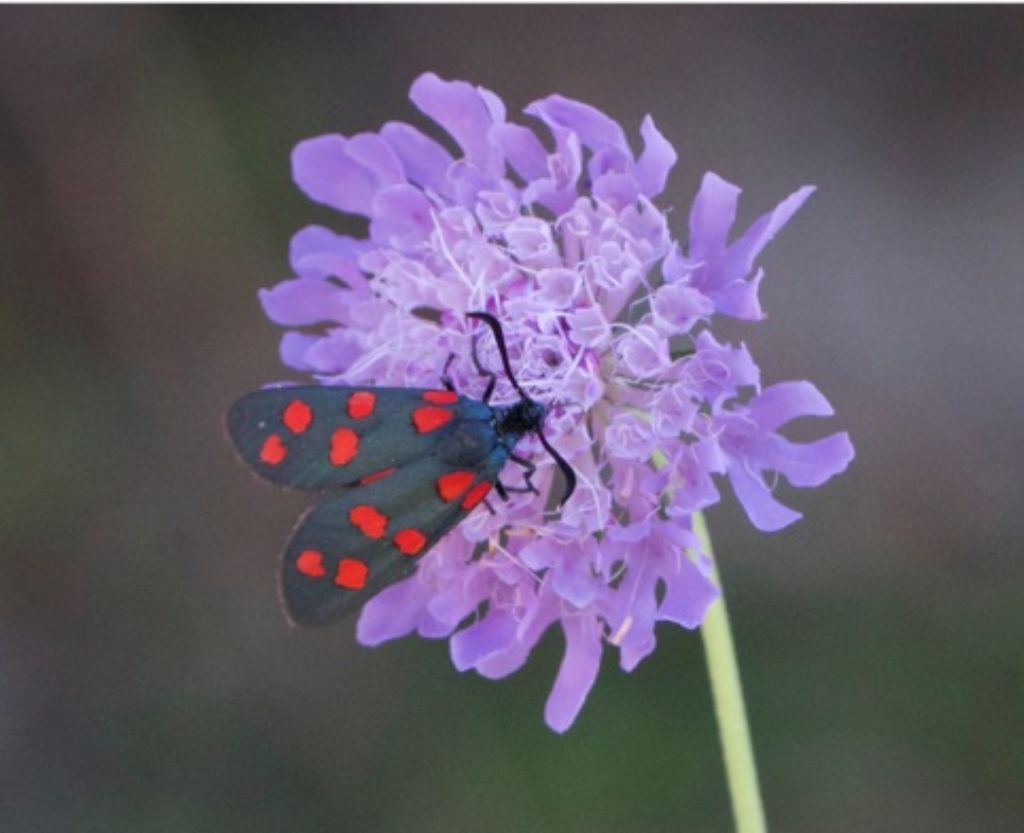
(608, 320)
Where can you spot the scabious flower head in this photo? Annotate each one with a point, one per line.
(608, 317)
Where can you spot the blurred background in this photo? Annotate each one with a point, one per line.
(147, 679)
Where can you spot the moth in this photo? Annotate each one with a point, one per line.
(396, 469)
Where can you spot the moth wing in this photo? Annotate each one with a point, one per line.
(350, 546)
(318, 437)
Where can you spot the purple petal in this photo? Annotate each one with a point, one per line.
(656, 161)
(523, 150)
(326, 173)
(401, 217)
(424, 160)
(616, 189)
(688, 594)
(809, 464)
(697, 489)
(558, 191)
(678, 306)
(461, 110)
(394, 612)
(711, 217)
(334, 352)
(572, 579)
(636, 606)
(492, 101)
(482, 639)
(643, 352)
(500, 664)
(764, 511)
(785, 401)
(740, 299)
(595, 129)
(739, 260)
(293, 349)
(302, 302)
(377, 156)
(318, 252)
(629, 437)
(577, 673)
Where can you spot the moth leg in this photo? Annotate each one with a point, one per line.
(527, 477)
(446, 379)
(489, 375)
(501, 489)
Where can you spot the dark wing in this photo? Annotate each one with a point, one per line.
(352, 545)
(319, 437)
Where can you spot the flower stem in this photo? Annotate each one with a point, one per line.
(727, 693)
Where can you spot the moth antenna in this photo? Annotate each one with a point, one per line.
(567, 470)
(499, 339)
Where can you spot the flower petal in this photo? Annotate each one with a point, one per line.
(656, 161)
(523, 150)
(577, 673)
(376, 156)
(595, 129)
(394, 612)
(740, 299)
(688, 594)
(327, 174)
(809, 464)
(739, 260)
(302, 302)
(401, 217)
(461, 110)
(711, 217)
(764, 511)
(425, 161)
(318, 252)
(485, 637)
(293, 349)
(785, 401)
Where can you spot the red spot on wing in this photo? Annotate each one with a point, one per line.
(410, 541)
(453, 484)
(273, 451)
(344, 445)
(371, 522)
(476, 494)
(373, 477)
(352, 574)
(430, 418)
(311, 563)
(360, 404)
(440, 397)
(297, 416)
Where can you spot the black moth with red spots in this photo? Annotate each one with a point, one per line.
(398, 467)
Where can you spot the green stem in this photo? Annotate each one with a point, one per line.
(727, 693)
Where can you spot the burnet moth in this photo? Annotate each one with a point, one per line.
(398, 468)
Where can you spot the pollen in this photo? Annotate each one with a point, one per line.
(360, 404)
(410, 541)
(453, 484)
(430, 419)
(352, 574)
(476, 494)
(440, 397)
(344, 446)
(297, 416)
(370, 521)
(311, 563)
(273, 451)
